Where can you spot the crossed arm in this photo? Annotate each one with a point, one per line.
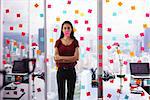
(66, 59)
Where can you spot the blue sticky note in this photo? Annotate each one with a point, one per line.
(14, 48)
(41, 15)
(64, 11)
(130, 21)
(82, 56)
(41, 39)
(113, 38)
(126, 97)
(114, 14)
(82, 87)
(126, 44)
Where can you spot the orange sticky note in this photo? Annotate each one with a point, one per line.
(76, 11)
(120, 3)
(51, 40)
(145, 26)
(74, 29)
(132, 54)
(58, 19)
(38, 52)
(133, 7)
(118, 52)
(107, 0)
(36, 5)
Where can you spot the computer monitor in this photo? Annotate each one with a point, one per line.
(139, 68)
(20, 67)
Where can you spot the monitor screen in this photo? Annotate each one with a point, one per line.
(139, 68)
(20, 67)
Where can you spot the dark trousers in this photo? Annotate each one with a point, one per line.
(64, 75)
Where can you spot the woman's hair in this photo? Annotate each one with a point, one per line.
(72, 32)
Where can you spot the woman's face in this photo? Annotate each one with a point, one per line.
(67, 30)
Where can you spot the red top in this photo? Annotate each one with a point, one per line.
(66, 51)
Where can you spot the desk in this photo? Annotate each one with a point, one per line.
(110, 89)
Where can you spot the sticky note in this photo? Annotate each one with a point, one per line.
(86, 21)
(114, 14)
(23, 33)
(139, 61)
(41, 15)
(88, 28)
(145, 26)
(133, 7)
(141, 34)
(55, 29)
(76, 11)
(82, 14)
(107, 1)
(81, 38)
(88, 94)
(7, 41)
(120, 3)
(126, 35)
(125, 62)
(87, 48)
(51, 40)
(100, 46)
(4, 61)
(20, 25)
(8, 55)
(142, 48)
(58, 19)
(126, 44)
(7, 10)
(89, 10)
(118, 91)
(74, 29)
(113, 38)
(109, 29)
(111, 81)
(132, 54)
(108, 47)
(22, 47)
(38, 52)
(111, 61)
(69, 2)
(14, 48)
(126, 97)
(41, 39)
(100, 25)
(36, 5)
(147, 15)
(100, 37)
(118, 52)
(142, 94)
(18, 15)
(82, 87)
(76, 21)
(109, 95)
(130, 21)
(100, 56)
(15, 43)
(49, 6)
(11, 28)
(148, 44)
(125, 79)
(100, 64)
(64, 12)
(46, 60)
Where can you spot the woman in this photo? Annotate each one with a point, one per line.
(66, 56)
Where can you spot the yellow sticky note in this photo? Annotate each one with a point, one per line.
(120, 3)
(74, 29)
(58, 19)
(133, 7)
(38, 52)
(107, 0)
(118, 52)
(76, 11)
(145, 26)
(132, 54)
(81, 14)
(51, 40)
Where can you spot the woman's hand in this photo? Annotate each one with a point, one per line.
(57, 57)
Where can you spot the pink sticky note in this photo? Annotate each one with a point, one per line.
(100, 37)
(109, 95)
(100, 64)
(142, 94)
(22, 47)
(142, 48)
(125, 62)
(86, 22)
(125, 79)
(88, 94)
(141, 34)
(100, 56)
(89, 10)
(118, 91)
(49, 6)
(46, 60)
(18, 15)
(87, 49)
(7, 41)
(20, 25)
(108, 47)
(111, 81)
(88, 29)
(23, 34)
(111, 61)
(55, 29)
(11, 28)
(69, 2)
(7, 10)
(4, 61)
(126, 35)
(109, 29)
(99, 25)
(139, 61)
(81, 38)
(76, 21)
(147, 14)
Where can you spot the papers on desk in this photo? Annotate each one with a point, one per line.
(145, 77)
